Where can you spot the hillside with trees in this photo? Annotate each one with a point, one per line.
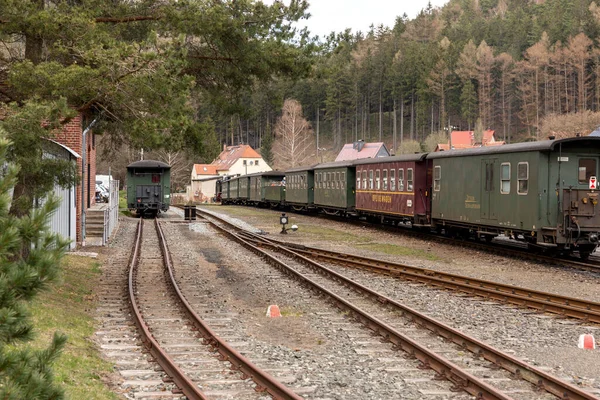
(515, 66)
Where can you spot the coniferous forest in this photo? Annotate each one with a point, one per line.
(514, 66)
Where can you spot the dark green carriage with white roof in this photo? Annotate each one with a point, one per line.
(542, 192)
(334, 188)
(148, 187)
(300, 190)
(267, 188)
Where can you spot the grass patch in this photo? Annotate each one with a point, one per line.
(241, 211)
(332, 235)
(396, 250)
(290, 312)
(123, 210)
(67, 307)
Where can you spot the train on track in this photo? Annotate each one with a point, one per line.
(148, 187)
(544, 193)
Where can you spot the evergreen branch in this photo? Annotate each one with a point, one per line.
(214, 58)
(116, 20)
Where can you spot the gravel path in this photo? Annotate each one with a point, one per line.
(313, 348)
(540, 339)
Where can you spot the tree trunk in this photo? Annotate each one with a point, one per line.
(412, 116)
(380, 115)
(395, 129)
(34, 44)
(401, 120)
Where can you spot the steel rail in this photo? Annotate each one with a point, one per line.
(444, 368)
(519, 368)
(189, 388)
(586, 310)
(263, 380)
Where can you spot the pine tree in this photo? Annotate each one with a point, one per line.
(266, 148)
(29, 260)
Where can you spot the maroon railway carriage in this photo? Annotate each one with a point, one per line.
(394, 188)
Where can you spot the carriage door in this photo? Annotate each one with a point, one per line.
(489, 172)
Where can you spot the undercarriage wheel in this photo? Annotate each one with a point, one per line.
(585, 251)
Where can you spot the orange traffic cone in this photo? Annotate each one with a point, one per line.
(587, 341)
(273, 311)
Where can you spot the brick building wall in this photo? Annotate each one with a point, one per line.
(72, 136)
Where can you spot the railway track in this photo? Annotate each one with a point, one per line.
(516, 249)
(183, 344)
(392, 320)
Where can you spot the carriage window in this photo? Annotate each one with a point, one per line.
(357, 180)
(523, 177)
(401, 180)
(319, 177)
(409, 179)
(343, 180)
(155, 178)
(385, 180)
(377, 179)
(587, 168)
(337, 180)
(392, 179)
(364, 179)
(371, 179)
(505, 178)
(437, 177)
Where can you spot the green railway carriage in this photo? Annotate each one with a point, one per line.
(334, 188)
(234, 185)
(243, 189)
(537, 191)
(225, 196)
(300, 190)
(148, 187)
(267, 188)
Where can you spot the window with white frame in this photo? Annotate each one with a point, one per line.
(377, 179)
(358, 180)
(385, 179)
(392, 180)
(409, 179)
(523, 177)
(364, 179)
(371, 179)
(437, 178)
(401, 179)
(505, 178)
(343, 179)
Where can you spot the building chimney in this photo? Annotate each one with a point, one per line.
(358, 145)
(551, 137)
(224, 146)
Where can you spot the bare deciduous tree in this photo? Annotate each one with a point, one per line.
(294, 141)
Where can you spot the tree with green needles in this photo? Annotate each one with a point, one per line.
(29, 261)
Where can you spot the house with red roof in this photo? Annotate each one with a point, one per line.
(233, 160)
(360, 149)
(466, 140)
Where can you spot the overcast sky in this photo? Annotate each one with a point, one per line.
(337, 15)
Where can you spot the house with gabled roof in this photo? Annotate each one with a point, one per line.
(360, 149)
(233, 161)
(466, 140)
(240, 160)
